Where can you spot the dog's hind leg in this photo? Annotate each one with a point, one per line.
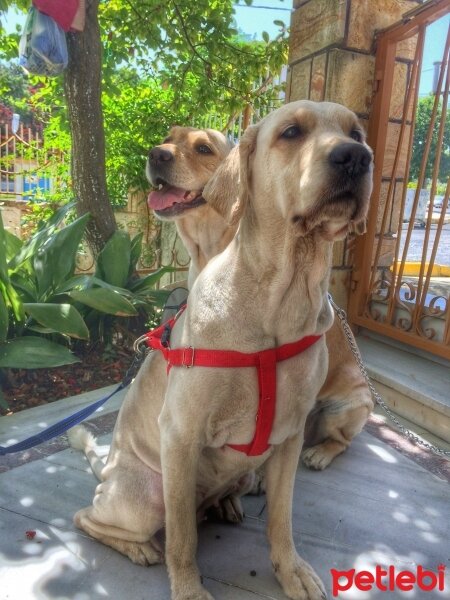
(127, 511)
(297, 578)
(141, 553)
(335, 426)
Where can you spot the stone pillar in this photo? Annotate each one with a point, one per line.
(332, 58)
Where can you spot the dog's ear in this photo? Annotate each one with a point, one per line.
(228, 189)
(223, 143)
(222, 190)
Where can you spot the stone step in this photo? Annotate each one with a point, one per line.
(414, 387)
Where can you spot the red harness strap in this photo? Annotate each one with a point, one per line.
(265, 361)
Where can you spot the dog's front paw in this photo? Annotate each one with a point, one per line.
(320, 456)
(200, 594)
(144, 553)
(317, 457)
(228, 510)
(299, 581)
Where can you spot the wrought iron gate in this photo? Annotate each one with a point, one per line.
(395, 292)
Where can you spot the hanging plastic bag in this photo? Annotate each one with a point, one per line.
(42, 47)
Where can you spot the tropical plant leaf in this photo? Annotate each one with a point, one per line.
(24, 286)
(54, 262)
(40, 329)
(13, 245)
(30, 248)
(113, 262)
(60, 318)
(31, 352)
(77, 281)
(12, 299)
(149, 281)
(135, 252)
(3, 267)
(95, 281)
(104, 301)
(150, 298)
(4, 319)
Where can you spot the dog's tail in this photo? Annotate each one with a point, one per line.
(82, 439)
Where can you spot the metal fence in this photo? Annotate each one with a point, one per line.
(401, 277)
(28, 168)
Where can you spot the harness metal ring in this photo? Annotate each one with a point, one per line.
(188, 366)
(138, 343)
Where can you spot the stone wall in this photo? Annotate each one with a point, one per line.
(332, 57)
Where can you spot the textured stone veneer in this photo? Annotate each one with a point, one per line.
(332, 57)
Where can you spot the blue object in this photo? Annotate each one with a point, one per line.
(60, 427)
(42, 47)
(72, 420)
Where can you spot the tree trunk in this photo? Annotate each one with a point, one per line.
(82, 85)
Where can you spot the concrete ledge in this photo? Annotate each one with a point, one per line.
(28, 422)
(414, 387)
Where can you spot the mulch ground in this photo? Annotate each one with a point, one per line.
(99, 367)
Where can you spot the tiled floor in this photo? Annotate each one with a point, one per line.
(381, 503)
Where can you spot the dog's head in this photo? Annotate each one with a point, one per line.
(181, 166)
(310, 159)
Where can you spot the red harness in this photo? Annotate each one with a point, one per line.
(265, 361)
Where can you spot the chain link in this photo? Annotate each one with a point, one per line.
(355, 351)
(138, 358)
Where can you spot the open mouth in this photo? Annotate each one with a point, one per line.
(169, 201)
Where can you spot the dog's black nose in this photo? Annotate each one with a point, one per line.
(159, 155)
(350, 159)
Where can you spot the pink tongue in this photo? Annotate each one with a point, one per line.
(160, 199)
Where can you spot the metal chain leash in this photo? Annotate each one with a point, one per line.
(376, 396)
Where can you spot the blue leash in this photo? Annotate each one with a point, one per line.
(68, 422)
(72, 420)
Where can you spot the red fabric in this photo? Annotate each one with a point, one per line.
(62, 11)
(265, 361)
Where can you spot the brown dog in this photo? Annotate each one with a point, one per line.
(180, 168)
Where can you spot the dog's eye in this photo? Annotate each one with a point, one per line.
(204, 149)
(356, 135)
(292, 132)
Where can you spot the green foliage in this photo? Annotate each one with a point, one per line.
(166, 64)
(62, 318)
(29, 276)
(34, 353)
(117, 291)
(113, 271)
(423, 117)
(14, 90)
(32, 274)
(41, 294)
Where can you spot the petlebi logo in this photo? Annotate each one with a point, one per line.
(388, 579)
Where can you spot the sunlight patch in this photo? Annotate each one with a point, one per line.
(27, 501)
(382, 453)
